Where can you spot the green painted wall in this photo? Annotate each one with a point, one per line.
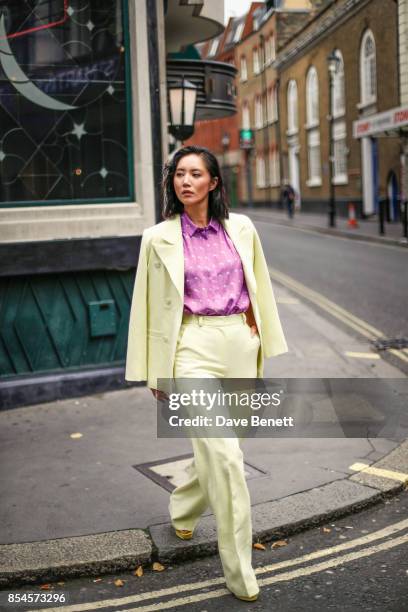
(45, 321)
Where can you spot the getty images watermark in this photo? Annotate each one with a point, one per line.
(204, 400)
(290, 407)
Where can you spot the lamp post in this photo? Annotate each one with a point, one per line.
(332, 62)
(225, 143)
(182, 107)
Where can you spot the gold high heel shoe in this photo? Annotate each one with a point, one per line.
(184, 534)
(244, 597)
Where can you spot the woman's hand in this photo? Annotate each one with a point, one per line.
(159, 395)
(250, 319)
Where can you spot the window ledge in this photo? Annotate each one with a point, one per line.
(311, 126)
(342, 179)
(364, 105)
(314, 182)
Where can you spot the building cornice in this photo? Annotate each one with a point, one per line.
(325, 23)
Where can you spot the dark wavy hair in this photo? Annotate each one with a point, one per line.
(217, 199)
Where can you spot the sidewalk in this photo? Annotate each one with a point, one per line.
(368, 229)
(76, 499)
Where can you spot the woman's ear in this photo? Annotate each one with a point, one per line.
(213, 183)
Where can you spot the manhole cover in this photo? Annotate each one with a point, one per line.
(383, 344)
(170, 473)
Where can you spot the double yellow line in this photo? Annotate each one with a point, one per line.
(355, 323)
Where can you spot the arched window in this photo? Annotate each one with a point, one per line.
(274, 171)
(312, 97)
(255, 61)
(313, 131)
(368, 69)
(339, 96)
(244, 69)
(292, 100)
(246, 119)
(258, 112)
(260, 171)
(272, 104)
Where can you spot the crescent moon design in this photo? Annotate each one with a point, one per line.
(20, 80)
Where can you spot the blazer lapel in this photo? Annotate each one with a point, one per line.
(169, 247)
(242, 238)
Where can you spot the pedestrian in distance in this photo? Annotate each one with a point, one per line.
(203, 307)
(289, 197)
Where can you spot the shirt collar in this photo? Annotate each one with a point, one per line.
(191, 228)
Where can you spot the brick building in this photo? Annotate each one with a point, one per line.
(251, 42)
(365, 82)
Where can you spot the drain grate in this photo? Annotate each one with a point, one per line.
(382, 344)
(170, 473)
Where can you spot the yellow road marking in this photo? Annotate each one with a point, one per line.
(384, 473)
(362, 355)
(359, 325)
(287, 300)
(284, 577)
(362, 540)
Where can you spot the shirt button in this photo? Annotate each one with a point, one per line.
(168, 302)
(157, 264)
(165, 339)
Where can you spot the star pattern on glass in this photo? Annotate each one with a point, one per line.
(79, 130)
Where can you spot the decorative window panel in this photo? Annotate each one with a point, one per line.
(65, 127)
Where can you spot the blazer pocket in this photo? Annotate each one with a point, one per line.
(153, 333)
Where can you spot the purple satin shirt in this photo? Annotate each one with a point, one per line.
(214, 282)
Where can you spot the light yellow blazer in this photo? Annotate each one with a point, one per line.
(158, 298)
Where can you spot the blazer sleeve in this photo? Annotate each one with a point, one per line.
(273, 336)
(136, 359)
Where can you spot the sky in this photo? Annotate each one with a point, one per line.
(235, 8)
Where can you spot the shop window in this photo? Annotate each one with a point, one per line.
(65, 103)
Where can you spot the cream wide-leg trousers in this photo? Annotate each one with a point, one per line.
(218, 347)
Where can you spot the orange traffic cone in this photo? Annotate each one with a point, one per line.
(352, 221)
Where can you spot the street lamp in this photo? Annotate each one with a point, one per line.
(182, 107)
(332, 63)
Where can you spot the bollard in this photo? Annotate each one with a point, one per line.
(381, 228)
(404, 219)
(352, 221)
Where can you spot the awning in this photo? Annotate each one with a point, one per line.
(388, 123)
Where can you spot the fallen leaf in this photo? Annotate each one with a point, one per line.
(119, 582)
(259, 546)
(61, 583)
(75, 435)
(45, 586)
(158, 567)
(279, 543)
(139, 571)
(97, 580)
(326, 530)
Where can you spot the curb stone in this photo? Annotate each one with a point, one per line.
(118, 551)
(329, 231)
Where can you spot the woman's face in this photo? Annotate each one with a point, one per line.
(192, 181)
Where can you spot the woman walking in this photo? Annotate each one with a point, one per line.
(203, 307)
